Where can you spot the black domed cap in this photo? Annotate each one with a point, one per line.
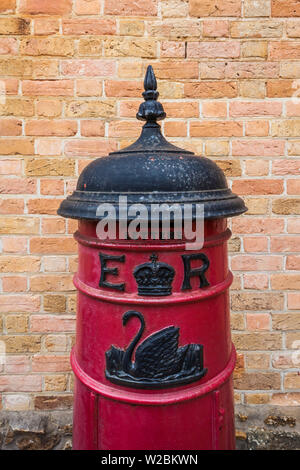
(152, 171)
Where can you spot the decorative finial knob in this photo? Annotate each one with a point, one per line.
(152, 110)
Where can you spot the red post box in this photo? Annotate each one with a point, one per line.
(153, 359)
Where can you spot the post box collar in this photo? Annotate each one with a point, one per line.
(152, 171)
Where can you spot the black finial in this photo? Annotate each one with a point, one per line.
(151, 110)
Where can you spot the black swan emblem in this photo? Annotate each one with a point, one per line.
(159, 362)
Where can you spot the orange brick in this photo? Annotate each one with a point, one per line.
(49, 108)
(214, 109)
(10, 167)
(89, 87)
(256, 281)
(52, 187)
(282, 50)
(201, 8)
(248, 108)
(166, 70)
(54, 245)
(88, 68)
(20, 383)
(87, 7)
(256, 167)
(51, 364)
(130, 7)
(256, 263)
(266, 148)
(286, 167)
(90, 26)
(285, 281)
(293, 187)
(124, 129)
(90, 148)
(293, 301)
(175, 129)
(43, 206)
(37, 7)
(251, 70)
(293, 262)
(55, 46)
(51, 283)
(230, 49)
(8, 46)
(48, 87)
(251, 225)
(285, 244)
(17, 186)
(13, 25)
(48, 147)
(285, 8)
(14, 245)
(210, 90)
(7, 6)
(215, 129)
(11, 206)
(257, 186)
(258, 128)
(255, 244)
(215, 28)
(258, 321)
(51, 128)
(92, 128)
(14, 284)
(280, 88)
(10, 127)
(172, 49)
(46, 26)
(50, 323)
(53, 225)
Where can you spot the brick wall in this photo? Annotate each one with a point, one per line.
(71, 79)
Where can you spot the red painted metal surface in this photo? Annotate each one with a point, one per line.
(194, 416)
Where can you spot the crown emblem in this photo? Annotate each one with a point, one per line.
(154, 278)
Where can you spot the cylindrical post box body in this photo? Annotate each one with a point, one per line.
(153, 358)
(196, 415)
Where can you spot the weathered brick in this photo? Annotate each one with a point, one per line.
(8, 46)
(270, 148)
(101, 27)
(59, 402)
(96, 109)
(210, 90)
(216, 129)
(124, 47)
(230, 49)
(215, 8)
(18, 26)
(41, 7)
(285, 8)
(215, 28)
(256, 29)
(174, 29)
(257, 301)
(51, 128)
(8, 6)
(47, 46)
(284, 50)
(130, 7)
(50, 167)
(253, 341)
(258, 381)
(19, 225)
(55, 245)
(256, 8)
(46, 26)
(88, 68)
(89, 148)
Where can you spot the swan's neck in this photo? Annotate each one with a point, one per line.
(128, 365)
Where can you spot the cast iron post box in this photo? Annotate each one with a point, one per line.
(153, 359)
